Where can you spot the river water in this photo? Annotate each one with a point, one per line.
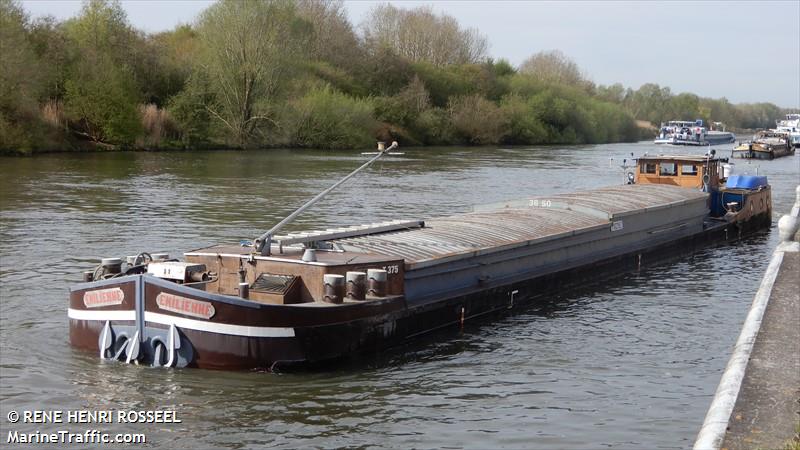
(628, 363)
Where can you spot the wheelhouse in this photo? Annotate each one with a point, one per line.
(686, 171)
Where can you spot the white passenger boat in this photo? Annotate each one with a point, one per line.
(684, 132)
(790, 125)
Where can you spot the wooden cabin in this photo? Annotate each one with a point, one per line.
(686, 171)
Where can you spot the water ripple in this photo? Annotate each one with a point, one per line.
(627, 363)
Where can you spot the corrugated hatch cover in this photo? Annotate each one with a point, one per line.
(520, 221)
(272, 283)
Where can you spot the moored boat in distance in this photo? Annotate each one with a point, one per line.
(717, 135)
(766, 144)
(791, 126)
(683, 132)
(318, 296)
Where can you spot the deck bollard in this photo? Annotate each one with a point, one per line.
(309, 255)
(244, 290)
(111, 265)
(356, 285)
(377, 282)
(334, 288)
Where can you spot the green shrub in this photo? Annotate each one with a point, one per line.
(524, 126)
(188, 110)
(104, 103)
(325, 118)
(434, 127)
(477, 120)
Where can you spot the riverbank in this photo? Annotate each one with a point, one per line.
(100, 147)
(757, 404)
(93, 147)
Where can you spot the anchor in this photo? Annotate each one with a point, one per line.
(124, 346)
(105, 341)
(172, 344)
(156, 347)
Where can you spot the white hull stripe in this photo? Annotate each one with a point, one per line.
(82, 314)
(183, 322)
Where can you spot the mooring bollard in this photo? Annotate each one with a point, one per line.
(787, 227)
(334, 288)
(244, 290)
(377, 282)
(111, 265)
(356, 285)
(309, 255)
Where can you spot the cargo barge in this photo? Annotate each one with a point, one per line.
(312, 297)
(766, 144)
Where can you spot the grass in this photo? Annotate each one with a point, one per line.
(794, 443)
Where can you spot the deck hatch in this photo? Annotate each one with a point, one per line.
(497, 227)
(273, 284)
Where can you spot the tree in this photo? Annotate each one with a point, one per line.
(247, 51)
(385, 73)
(614, 93)
(333, 39)
(649, 102)
(188, 108)
(101, 28)
(419, 35)
(21, 79)
(554, 67)
(171, 62)
(325, 118)
(101, 94)
(404, 107)
(686, 106)
(103, 99)
(50, 44)
(478, 120)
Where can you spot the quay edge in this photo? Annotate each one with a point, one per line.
(758, 395)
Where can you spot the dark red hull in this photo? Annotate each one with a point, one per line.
(240, 334)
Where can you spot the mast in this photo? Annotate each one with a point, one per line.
(263, 243)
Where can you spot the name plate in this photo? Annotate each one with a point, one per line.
(184, 305)
(103, 297)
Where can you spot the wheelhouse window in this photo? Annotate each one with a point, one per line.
(668, 169)
(648, 168)
(688, 169)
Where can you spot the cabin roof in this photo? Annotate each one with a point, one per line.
(772, 133)
(692, 158)
(512, 223)
(683, 123)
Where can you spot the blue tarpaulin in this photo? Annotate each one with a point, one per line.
(745, 182)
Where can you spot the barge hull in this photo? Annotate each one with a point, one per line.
(394, 322)
(763, 154)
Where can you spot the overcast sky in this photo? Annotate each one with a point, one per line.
(744, 51)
